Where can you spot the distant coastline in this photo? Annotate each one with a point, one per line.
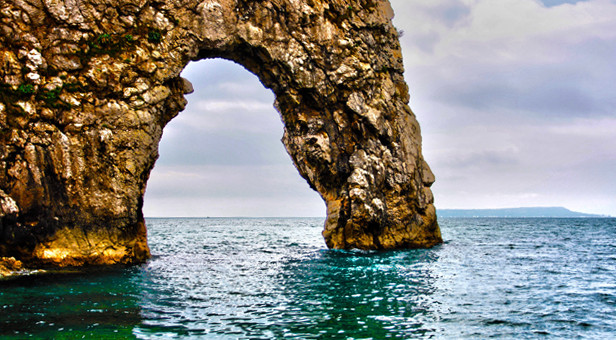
(515, 212)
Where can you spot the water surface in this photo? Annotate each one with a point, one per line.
(274, 278)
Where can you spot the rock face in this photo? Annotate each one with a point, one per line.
(86, 87)
(9, 266)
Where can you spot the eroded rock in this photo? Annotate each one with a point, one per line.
(9, 266)
(87, 87)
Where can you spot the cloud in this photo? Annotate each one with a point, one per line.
(229, 120)
(551, 3)
(484, 158)
(220, 78)
(515, 99)
(248, 115)
(222, 148)
(230, 190)
(519, 48)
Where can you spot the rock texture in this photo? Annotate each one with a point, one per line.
(86, 87)
(9, 267)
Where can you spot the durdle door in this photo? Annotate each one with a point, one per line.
(87, 86)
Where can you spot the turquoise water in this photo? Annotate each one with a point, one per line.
(274, 278)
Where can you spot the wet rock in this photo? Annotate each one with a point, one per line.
(83, 105)
(9, 266)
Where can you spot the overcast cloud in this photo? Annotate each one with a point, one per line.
(515, 99)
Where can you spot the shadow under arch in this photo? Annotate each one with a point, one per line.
(222, 155)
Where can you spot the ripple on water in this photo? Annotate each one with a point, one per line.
(273, 278)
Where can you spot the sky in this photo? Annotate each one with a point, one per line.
(516, 100)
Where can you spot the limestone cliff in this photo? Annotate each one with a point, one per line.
(87, 86)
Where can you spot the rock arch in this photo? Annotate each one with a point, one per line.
(87, 87)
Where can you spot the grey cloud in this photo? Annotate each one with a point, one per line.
(243, 137)
(447, 13)
(224, 79)
(568, 165)
(552, 3)
(576, 88)
(224, 126)
(237, 206)
(424, 41)
(230, 191)
(450, 13)
(196, 148)
(485, 158)
(518, 121)
(238, 116)
(565, 75)
(490, 93)
(230, 181)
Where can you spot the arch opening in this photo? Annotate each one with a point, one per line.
(222, 155)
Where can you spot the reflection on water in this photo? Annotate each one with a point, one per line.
(358, 294)
(91, 304)
(273, 278)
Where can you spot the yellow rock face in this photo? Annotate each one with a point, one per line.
(74, 247)
(9, 266)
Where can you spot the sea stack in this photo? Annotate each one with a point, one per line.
(86, 88)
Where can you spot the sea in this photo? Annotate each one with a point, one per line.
(274, 278)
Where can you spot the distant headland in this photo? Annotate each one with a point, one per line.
(514, 212)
